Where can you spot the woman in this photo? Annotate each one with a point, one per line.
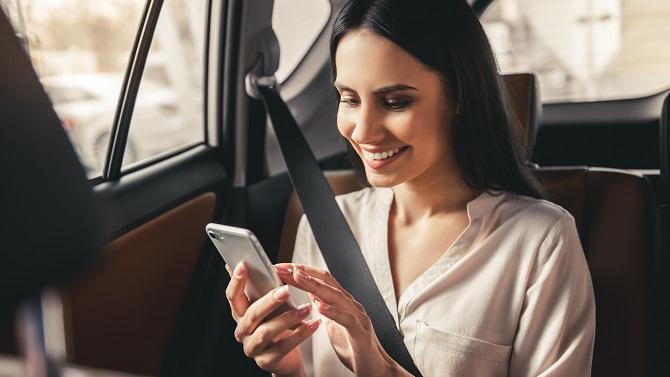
(481, 276)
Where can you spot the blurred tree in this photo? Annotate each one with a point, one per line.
(105, 28)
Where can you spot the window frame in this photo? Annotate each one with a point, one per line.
(651, 97)
(113, 168)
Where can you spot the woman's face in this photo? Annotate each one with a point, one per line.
(393, 110)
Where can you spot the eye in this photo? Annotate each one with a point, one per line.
(349, 101)
(397, 104)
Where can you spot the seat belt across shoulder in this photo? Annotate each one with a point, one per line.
(340, 249)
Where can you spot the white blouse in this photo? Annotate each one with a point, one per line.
(512, 296)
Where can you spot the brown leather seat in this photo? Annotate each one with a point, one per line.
(612, 209)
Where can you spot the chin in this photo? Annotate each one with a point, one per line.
(380, 180)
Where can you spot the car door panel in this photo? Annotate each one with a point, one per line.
(141, 195)
(121, 314)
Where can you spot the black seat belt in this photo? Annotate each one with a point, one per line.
(331, 231)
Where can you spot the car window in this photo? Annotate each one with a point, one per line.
(584, 50)
(168, 112)
(67, 94)
(297, 23)
(80, 49)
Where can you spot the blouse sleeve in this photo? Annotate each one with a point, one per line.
(557, 324)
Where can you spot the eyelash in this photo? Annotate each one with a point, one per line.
(398, 105)
(393, 105)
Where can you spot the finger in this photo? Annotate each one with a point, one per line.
(285, 272)
(322, 290)
(230, 271)
(346, 318)
(260, 309)
(319, 274)
(235, 291)
(269, 331)
(277, 351)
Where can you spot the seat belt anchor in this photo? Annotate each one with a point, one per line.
(255, 79)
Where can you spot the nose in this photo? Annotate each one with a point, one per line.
(368, 127)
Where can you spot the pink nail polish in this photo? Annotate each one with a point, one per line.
(283, 271)
(281, 294)
(313, 324)
(303, 310)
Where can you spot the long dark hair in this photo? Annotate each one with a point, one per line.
(447, 37)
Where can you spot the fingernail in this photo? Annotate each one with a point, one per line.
(283, 270)
(313, 324)
(281, 294)
(240, 269)
(302, 310)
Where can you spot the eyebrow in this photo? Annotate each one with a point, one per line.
(382, 90)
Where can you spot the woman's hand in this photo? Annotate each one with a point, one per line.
(349, 327)
(273, 342)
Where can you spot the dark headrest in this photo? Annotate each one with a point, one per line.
(524, 101)
(49, 215)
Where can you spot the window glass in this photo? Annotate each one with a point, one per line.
(297, 23)
(584, 50)
(80, 49)
(168, 112)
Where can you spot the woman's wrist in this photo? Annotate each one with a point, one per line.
(396, 370)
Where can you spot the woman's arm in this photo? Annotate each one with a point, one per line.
(349, 327)
(557, 324)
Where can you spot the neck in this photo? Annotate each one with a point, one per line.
(438, 191)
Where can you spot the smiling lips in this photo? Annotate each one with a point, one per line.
(377, 160)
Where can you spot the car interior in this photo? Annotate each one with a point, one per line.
(153, 302)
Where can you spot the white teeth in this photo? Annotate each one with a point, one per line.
(381, 155)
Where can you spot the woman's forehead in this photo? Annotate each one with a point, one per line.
(365, 59)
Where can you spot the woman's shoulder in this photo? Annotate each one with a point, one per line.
(531, 211)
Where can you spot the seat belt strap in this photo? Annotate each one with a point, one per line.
(340, 250)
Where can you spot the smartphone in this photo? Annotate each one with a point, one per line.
(238, 244)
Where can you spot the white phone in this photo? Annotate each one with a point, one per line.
(238, 244)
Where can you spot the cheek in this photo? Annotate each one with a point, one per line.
(345, 125)
(426, 133)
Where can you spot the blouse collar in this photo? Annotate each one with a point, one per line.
(478, 207)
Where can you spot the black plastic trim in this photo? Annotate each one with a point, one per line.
(664, 138)
(616, 111)
(205, 73)
(124, 111)
(230, 55)
(142, 195)
(160, 157)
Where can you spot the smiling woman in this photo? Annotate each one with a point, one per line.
(377, 116)
(481, 277)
